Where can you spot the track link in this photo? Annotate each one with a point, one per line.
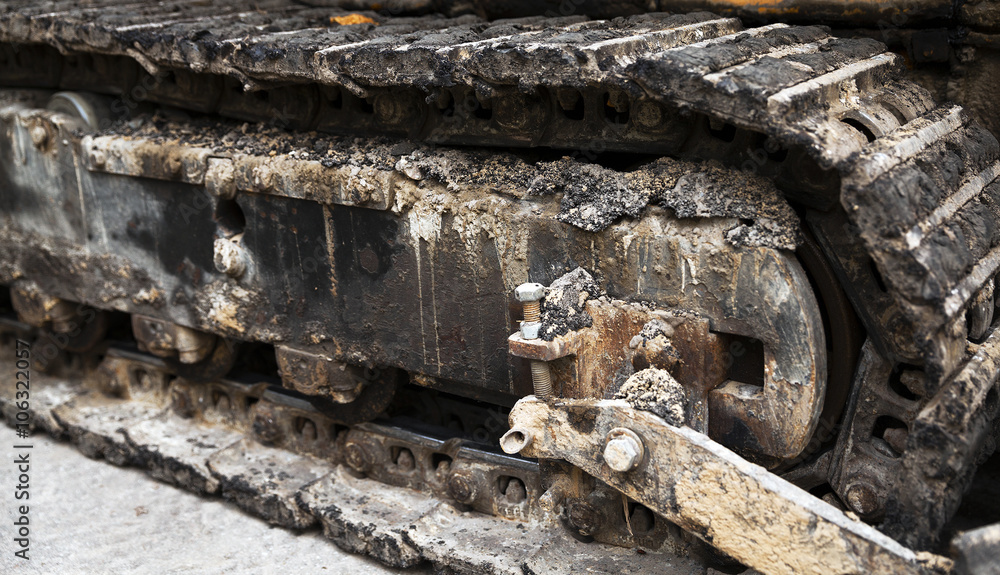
(247, 443)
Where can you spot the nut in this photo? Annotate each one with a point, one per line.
(530, 329)
(623, 450)
(529, 292)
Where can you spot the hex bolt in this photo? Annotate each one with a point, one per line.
(357, 457)
(515, 492)
(650, 115)
(530, 295)
(230, 257)
(265, 427)
(462, 487)
(623, 450)
(862, 499)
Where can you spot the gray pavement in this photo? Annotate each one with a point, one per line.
(91, 517)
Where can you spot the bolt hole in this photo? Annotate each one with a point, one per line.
(616, 110)
(221, 400)
(441, 463)
(857, 125)
(230, 217)
(575, 109)
(403, 458)
(726, 132)
(512, 489)
(892, 432)
(305, 428)
(641, 519)
(478, 111)
(896, 381)
(336, 431)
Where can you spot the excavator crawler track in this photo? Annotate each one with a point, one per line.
(374, 187)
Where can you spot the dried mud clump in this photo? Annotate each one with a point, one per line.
(656, 391)
(595, 197)
(563, 307)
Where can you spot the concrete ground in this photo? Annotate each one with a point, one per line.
(89, 517)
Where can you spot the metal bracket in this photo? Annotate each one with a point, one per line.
(740, 508)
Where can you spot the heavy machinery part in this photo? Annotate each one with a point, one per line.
(707, 490)
(836, 101)
(417, 230)
(400, 512)
(78, 327)
(775, 417)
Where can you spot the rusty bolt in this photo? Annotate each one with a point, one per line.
(514, 111)
(39, 135)
(230, 258)
(623, 450)
(531, 294)
(583, 517)
(265, 427)
(394, 109)
(862, 499)
(650, 115)
(462, 487)
(515, 440)
(357, 457)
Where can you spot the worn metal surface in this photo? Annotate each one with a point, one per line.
(215, 450)
(773, 82)
(691, 480)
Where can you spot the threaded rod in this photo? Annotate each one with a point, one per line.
(541, 378)
(532, 311)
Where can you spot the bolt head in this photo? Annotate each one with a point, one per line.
(862, 499)
(357, 457)
(623, 450)
(229, 258)
(39, 136)
(529, 292)
(462, 488)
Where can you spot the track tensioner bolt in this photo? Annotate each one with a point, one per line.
(530, 295)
